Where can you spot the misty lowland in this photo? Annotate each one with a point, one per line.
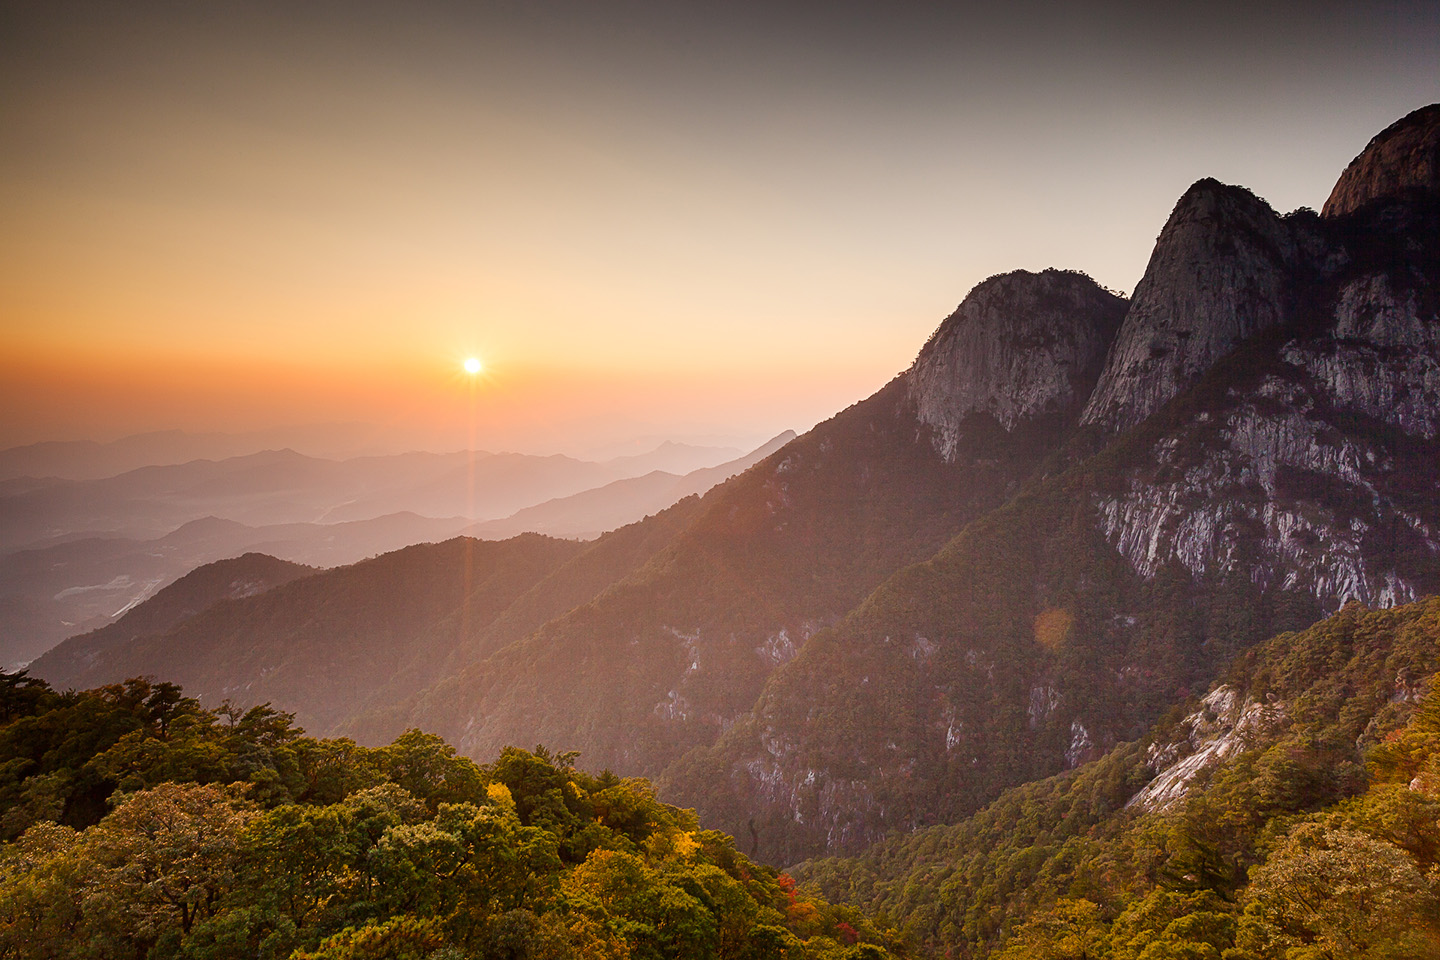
(1108, 629)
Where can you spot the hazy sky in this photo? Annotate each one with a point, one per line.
(697, 220)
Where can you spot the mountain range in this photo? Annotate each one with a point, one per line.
(93, 460)
(85, 574)
(282, 486)
(1066, 518)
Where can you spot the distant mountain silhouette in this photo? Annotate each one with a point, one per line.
(592, 512)
(76, 580)
(282, 486)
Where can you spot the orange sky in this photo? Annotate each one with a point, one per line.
(643, 226)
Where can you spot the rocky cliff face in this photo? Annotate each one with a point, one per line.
(1274, 387)
(1305, 472)
(1226, 725)
(1022, 346)
(1217, 276)
(1265, 501)
(1315, 468)
(1226, 267)
(1404, 156)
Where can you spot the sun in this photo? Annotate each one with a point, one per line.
(472, 365)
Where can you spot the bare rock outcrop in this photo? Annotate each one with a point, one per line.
(1021, 346)
(1316, 472)
(1225, 726)
(1217, 276)
(1404, 156)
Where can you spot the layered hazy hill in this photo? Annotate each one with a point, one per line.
(107, 543)
(592, 512)
(1065, 518)
(283, 486)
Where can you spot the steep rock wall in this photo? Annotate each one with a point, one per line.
(1316, 469)
(1021, 346)
(1218, 275)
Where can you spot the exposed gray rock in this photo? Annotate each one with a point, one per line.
(1044, 700)
(1399, 388)
(1368, 310)
(1223, 727)
(1225, 510)
(1021, 346)
(1217, 276)
(1212, 498)
(1081, 745)
(810, 795)
(1403, 156)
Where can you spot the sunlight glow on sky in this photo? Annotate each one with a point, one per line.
(644, 218)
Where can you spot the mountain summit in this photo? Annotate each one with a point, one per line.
(1404, 156)
(1022, 347)
(1217, 276)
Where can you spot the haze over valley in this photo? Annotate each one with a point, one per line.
(77, 553)
(551, 509)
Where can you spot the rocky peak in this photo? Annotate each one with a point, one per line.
(1021, 346)
(1404, 156)
(1217, 276)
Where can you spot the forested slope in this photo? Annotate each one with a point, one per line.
(1294, 811)
(138, 824)
(329, 643)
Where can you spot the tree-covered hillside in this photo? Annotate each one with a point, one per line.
(325, 645)
(1294, 812)
(139, 825)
